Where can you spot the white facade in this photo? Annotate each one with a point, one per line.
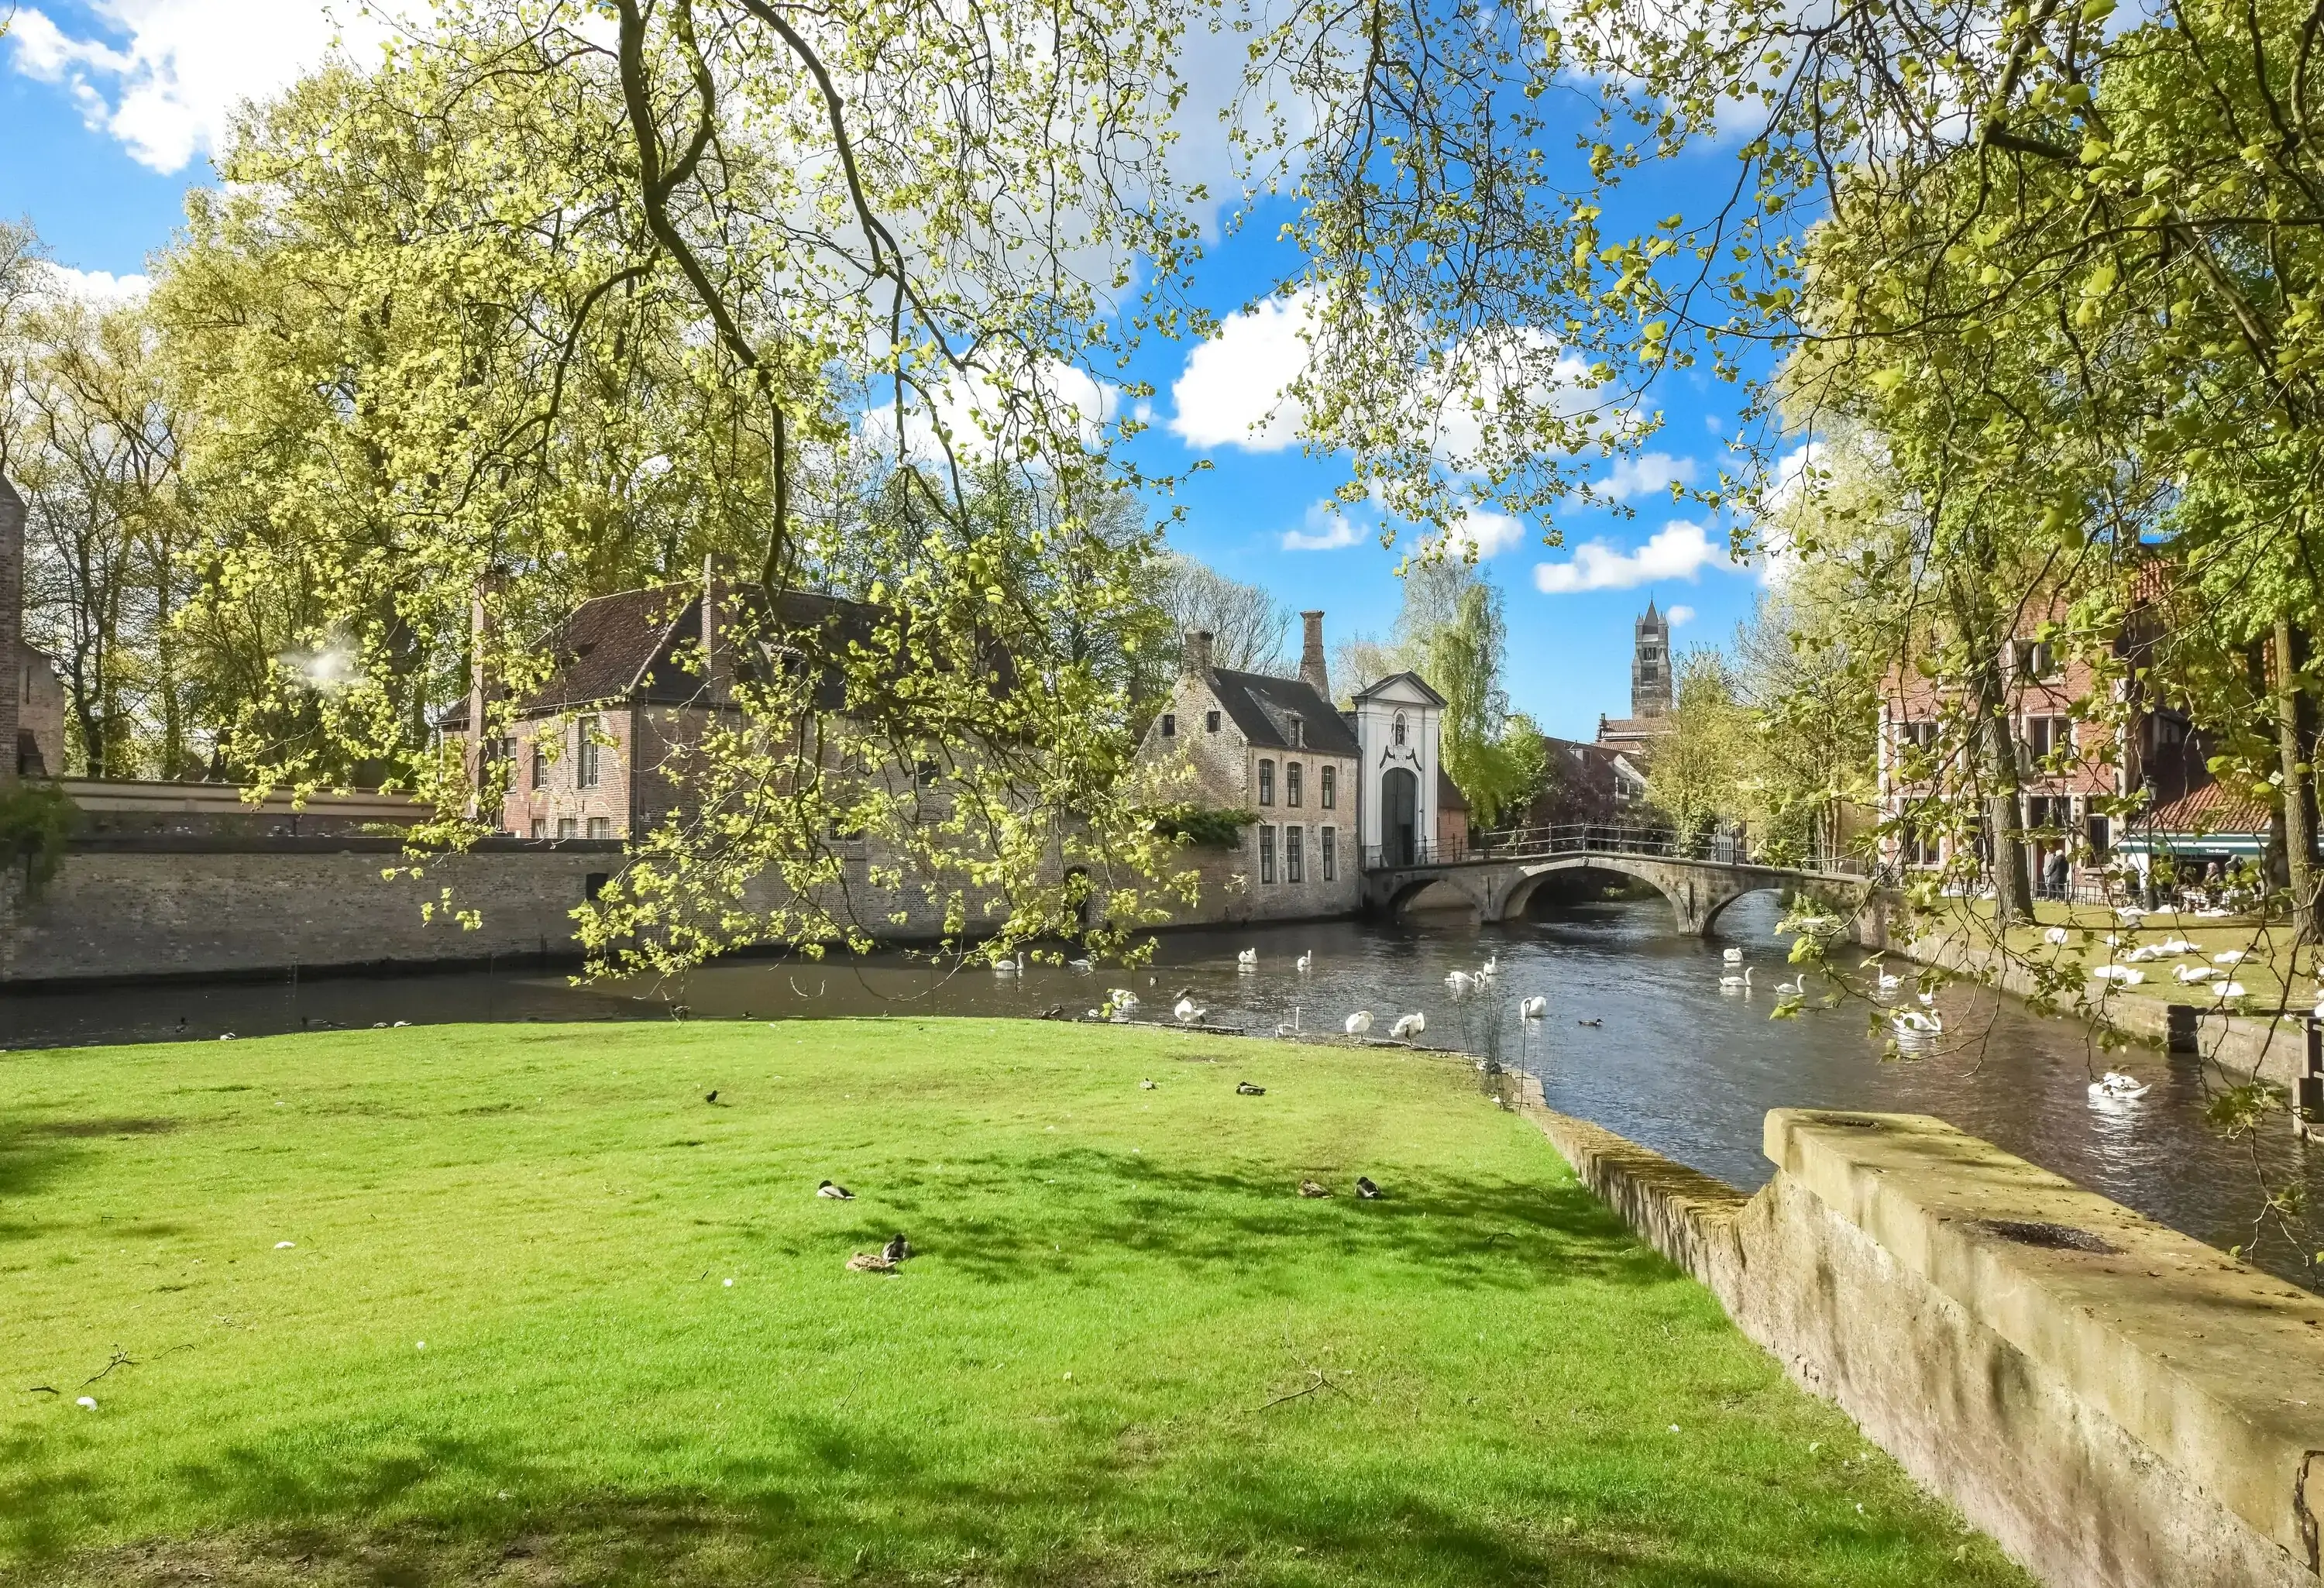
(1398, 724)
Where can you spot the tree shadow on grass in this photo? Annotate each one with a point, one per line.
(841, 1501)
(1481, 1233)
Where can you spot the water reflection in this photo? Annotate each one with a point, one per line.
(1668, 1059)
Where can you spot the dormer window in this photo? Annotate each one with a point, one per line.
(1396, 734)
(1296, 729)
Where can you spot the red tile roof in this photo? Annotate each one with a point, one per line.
(2212, 809)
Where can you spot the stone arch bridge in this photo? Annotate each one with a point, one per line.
(1497, 882)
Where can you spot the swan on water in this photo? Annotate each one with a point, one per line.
(1304, 963)
(1732, 956)
(1458, 982)
(1408, 1026)
(1248, 960)
(1913, 1022)
(1008, 967)
(1359, 1022)
(1741, 983)
(1793, 988)
(1082, 966)
(1489, 969)
(1533, 1009)
(2116, 1086)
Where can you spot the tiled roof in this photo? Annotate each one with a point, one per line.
(1417, 682)
(2212, 809)
(604, 649)
(1448, 793)
(1263, 708)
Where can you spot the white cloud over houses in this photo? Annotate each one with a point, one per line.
(1678, 550)
(164, 77)
(1326, 530)
(1646, 475)
(1231, 393)
(1679, 616)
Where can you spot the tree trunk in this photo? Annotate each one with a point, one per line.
(2005, 804)
(2298, 827)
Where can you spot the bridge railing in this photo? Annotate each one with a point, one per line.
(1601, 838)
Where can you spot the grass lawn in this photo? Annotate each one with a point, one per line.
(646, 1363)
(2265, 973)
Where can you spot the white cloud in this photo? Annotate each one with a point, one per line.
(1231, 393)
(1489, 533)
(100, 289)
(1678, 550)
(973, 409)
(167, 75)
(1679, 616)
(1796, 471)
(1646, 475)
(1326, 531)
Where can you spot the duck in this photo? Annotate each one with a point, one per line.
(1366, 1189)
(1304, 963)
(1313, 1188)
(1408, 1026)
(1247, 960)
(1245, 1089)
(1146, 1084)
(896, 1250)
(835, 1192)
(1533, 1009)
(1187, 1012)
(1594, 1021)
(1357, 1023)
(1458, 982)
(1741, 983)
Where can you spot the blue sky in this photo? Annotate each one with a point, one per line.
(110, 108)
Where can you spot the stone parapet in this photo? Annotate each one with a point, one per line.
(2119, 1405)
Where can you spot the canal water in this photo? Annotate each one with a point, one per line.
(1669, 1059)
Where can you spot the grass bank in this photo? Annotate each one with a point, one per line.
(1127, 1352)
(2272, 975)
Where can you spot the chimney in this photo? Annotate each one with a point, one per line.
(710, 627)
(1312, 671)
(12, 628)
(1195, 656)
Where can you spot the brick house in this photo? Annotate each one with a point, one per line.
(2070, 769)
(596, 750)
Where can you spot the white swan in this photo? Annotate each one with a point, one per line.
(1732, 956)
(1082, 966)
(1533, 1009)
(1889, 983)
(1304, 963)
(2232, 956)
(2121, 975)
(1248, 960)
(1916, 1023)
(1186, 1012)
(1741, 983)
(2177, 945)
(1359, 1022)
(1408, 1026)
(1489, 969)
(2228, 989)
(2055, 937)
(1458, 982)
(1008, 967)
(2119, 1086)
(2193, 973)
(1795, 987)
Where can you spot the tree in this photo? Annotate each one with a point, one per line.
(1246, 624)
(1705, 761)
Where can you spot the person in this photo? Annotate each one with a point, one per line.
(2059, 873)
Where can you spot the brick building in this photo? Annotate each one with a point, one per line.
(2072, 770)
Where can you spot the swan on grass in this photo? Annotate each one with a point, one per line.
(1304, 963)
(2232, 956)
(2226, 990)
(2055, 937)
(1408, 1026)
(2188, 973)
(1359, 1022)
(2122, 975)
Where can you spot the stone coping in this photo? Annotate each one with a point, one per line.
(2205, 1361)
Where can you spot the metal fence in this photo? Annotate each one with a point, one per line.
(1602, 838)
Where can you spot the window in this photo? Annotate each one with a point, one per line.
(585, 763)
(1326, 792)
(539, 765)
(566, 826)
(1265, 853)
(1169, 725)
(1297, 732)
(1397, 736)
(601, 827)
(1292, 774)
(593, 885)
(1209, 722)
(2046, 737)
(1293, 870)
(1329, 841)
(2101, 836)
(1917, 735)
(924, 775)
(1267, 782)
(2050, 812)
(540, 828)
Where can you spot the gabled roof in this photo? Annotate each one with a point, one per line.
(1380, 686)
(1262, 707)
(2213, 808)
(1448, 793)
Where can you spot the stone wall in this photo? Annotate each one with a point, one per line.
(2118, 1405)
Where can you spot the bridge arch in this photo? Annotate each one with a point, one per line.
(1683, 895)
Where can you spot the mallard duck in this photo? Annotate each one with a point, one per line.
(1246, 1089)
(836, 1193)
(1366, 1189)
(1310, 1188)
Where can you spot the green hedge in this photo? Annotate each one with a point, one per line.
(1202, 827)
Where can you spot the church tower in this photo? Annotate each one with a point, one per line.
(1650, 666)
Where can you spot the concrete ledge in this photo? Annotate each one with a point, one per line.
(2115, 1403)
